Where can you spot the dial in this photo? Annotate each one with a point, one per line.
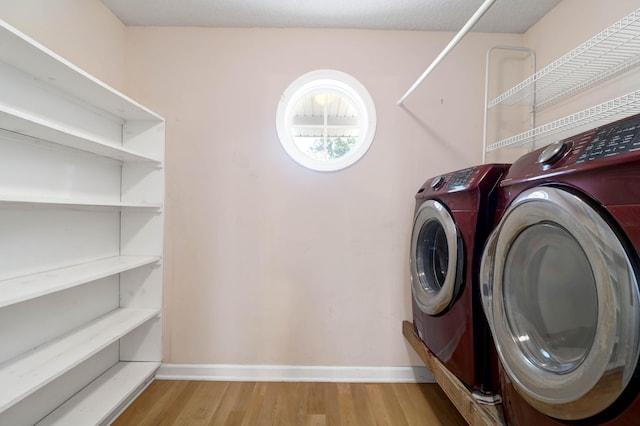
(437, 182)
(553, 153)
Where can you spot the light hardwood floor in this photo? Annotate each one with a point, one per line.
(313, 404)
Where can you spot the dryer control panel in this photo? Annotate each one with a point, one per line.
(451, 182)
(462, 180)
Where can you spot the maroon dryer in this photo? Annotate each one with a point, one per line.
(454, 214)
(559, 280)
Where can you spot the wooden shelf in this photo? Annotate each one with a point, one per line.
(472, 411)
(118, 385)
(27, 287)
(42, 201)
(42, 64)
(33, 127)
(27, 373)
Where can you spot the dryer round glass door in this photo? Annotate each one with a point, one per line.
(562, 299)
(435, 258)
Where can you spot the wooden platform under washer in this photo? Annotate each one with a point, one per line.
(472, 411)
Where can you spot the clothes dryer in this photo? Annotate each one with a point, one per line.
(559, 281)
(453, 217)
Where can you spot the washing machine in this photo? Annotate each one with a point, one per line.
(559, 281)
(453, 217)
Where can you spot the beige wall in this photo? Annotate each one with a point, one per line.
(84, 32)
(270, 263)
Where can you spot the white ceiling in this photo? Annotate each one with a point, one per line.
(505, 16)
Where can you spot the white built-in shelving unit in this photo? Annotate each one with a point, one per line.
(81, 237)
(607, 54)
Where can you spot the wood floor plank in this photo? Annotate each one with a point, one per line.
(346, 404)
(234, 399)
(316, 403)
(293, 400)
(254, 407)
(332, 404)
(201, 407)
(174, 408)
(316, 420)
(310, 404)
(411, 411)
(150, 406)
(269, 411)
(290, 403)
(392, 404)
(366, 416)
(380, 408)
(238, 411)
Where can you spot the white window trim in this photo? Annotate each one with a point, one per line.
(307, 83)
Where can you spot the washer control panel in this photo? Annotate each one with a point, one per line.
(618, 138)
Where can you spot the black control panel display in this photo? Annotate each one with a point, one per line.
(459, 179)
(615, 139)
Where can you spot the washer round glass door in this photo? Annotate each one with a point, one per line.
(435, 255)
(562, 299)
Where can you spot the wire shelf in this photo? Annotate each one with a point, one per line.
(614, 50)
(615, 109)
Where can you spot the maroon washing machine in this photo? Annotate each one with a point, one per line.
(559, 281)
(453, 217)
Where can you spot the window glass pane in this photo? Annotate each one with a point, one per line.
(325, 124)
(550, 297)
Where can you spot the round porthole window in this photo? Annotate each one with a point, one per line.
(326, 120)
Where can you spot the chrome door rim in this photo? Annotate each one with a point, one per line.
(581, 393)
(429, 302)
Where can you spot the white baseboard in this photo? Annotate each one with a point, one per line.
(287, 373)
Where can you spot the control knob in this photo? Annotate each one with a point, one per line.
(552, 153)
(437, 182)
